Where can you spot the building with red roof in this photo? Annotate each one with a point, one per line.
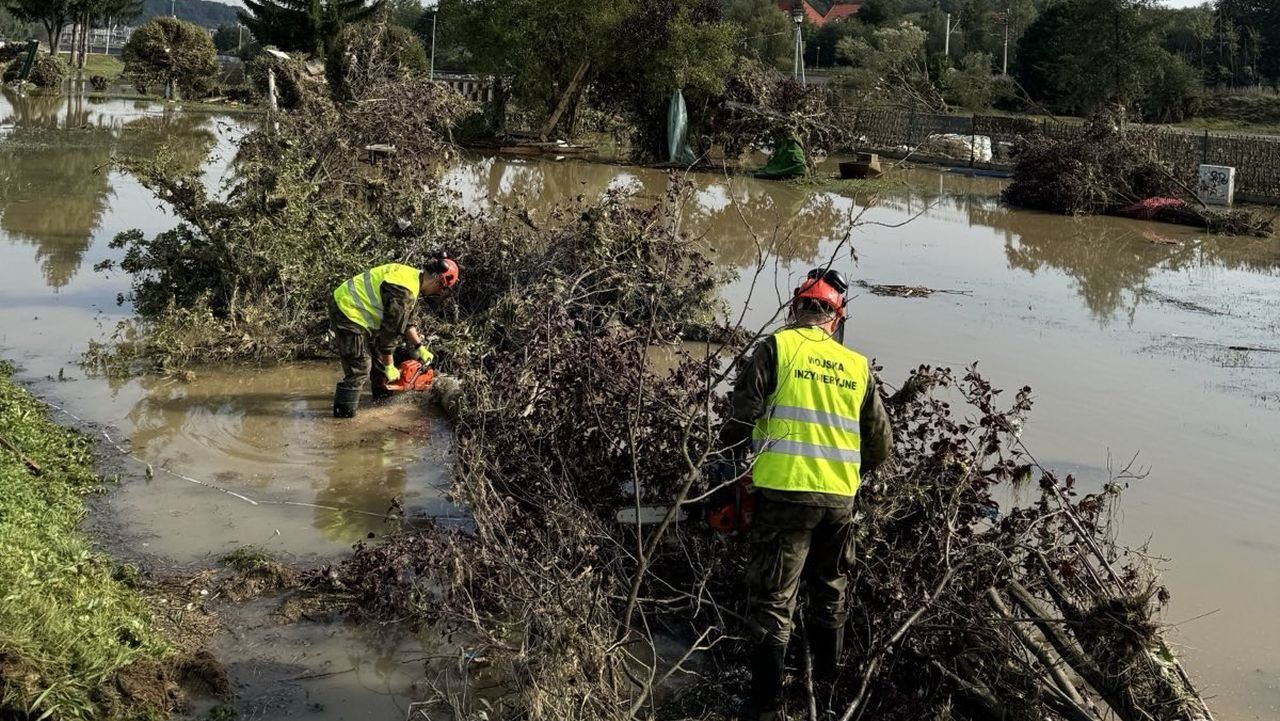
(821, 12)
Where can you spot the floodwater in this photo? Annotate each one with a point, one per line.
(1125, 331)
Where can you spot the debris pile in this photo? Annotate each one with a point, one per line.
(761, 108)
(993, 611)
(1109, 166)
(964, 607)
(245, 274)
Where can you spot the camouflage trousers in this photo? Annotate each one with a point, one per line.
(354, 349)
(791, 543)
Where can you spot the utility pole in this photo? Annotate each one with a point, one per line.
(1004, 66)
(434, 14)
(950, 29)
(173, 8)
(797, 65)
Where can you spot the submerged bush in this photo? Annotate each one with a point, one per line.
(247, 275)
(46, 72)
(167, 53)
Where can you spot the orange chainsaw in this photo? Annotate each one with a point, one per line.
(414, 374)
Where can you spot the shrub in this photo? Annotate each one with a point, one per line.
(1174, 91)
(373, 49)
(47, 72)
(971, 85)
(170, 53)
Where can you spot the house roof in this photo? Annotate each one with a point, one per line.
(842, 10)
(820, 12)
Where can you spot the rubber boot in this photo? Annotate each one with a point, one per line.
(827, 647)
(345, 401)
(378, 382)
(767, 670)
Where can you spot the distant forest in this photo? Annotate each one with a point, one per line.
(201, 12)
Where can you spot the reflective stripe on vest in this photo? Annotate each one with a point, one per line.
(810, 440)
(360, 298)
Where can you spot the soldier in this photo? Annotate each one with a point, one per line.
(370, 313)
(810, 409)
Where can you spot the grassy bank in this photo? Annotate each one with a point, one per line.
(67, 627)
(108, 66)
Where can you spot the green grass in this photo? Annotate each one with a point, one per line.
(1225, 125)
(870, 186)
(66, 625)
(108, 66)
(246, 558)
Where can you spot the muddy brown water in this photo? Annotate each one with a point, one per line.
(1123, 329)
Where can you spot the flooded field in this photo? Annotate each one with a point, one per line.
(1138, 339)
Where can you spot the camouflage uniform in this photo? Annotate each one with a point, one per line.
(361, 350)
(795, 536)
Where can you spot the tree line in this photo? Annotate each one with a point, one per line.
(626, 57)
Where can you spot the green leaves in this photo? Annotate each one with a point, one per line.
(167, 53)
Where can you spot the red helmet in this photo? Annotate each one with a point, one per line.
(449, 276)
(817, 288)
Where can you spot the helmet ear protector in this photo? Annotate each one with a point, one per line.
(833, 278)
(825, 286)
(448, 270)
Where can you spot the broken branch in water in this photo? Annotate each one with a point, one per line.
(906, 291)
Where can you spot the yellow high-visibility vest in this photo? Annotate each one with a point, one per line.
(810, 439)
(360, 298)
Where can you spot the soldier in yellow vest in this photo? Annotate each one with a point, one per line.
(807, 408)
(371, 312)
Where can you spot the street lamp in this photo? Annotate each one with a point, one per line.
(797, 17)
(435, 12)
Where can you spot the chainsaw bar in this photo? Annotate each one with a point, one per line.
(644, 515)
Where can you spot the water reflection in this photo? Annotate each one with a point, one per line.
(1113, 259)
(736, 219)
(55, 180)
(54, 197)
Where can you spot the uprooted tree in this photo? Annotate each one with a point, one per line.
(244, 273)
(964, 607)
(1110, 167)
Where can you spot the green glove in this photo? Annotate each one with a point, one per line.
(391, 373)
(425, 355)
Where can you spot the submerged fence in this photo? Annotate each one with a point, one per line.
(989, 141)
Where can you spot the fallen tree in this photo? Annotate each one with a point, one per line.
(1110, 167)
(317, 194)
(964, 608)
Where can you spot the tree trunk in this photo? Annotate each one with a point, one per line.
(75, 43)
(88, 33)
(570, 96)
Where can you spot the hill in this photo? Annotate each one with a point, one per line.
(201, 12)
